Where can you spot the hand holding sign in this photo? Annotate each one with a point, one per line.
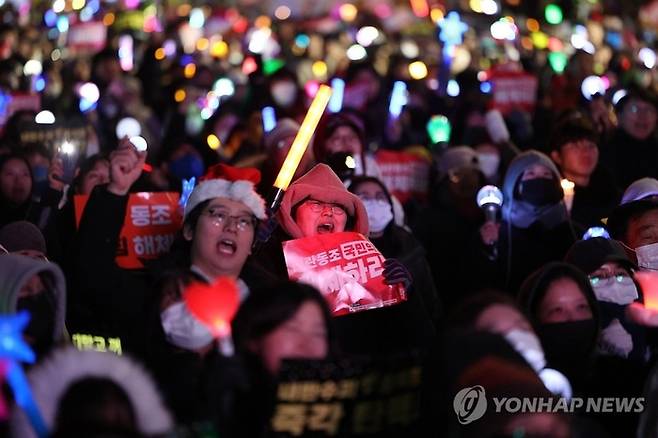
(396, 273)
(126, 165)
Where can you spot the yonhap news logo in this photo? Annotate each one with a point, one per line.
(470, 404)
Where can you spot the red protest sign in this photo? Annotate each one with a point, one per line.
(345, 267)
(149, 227)
(514, 90)
(406, 175)
(89, 37)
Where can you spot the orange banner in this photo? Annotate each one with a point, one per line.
(346, 267)
(152, 220)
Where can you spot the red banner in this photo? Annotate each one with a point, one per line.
(514, 90)
(345, 267)
(406, 175)
(88, 37)
(152, 220)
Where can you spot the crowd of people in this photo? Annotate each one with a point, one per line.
(537, 294)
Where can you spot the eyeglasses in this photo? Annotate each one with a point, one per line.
(219, 217)
(318, 207)
(610, 279)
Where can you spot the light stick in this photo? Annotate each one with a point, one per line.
(12, 350)
(269, 118)
(336, 101)
(648, 281)
(490, 199)
(451, 35)
(215, 306)
(439, 129)
(398, 99)
(300, 144)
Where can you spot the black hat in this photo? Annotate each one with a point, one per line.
(589, 255)
(622, 214)
(21, 236)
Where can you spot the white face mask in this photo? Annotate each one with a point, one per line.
(183, 329)
(647, 256)
(489, 163)
(617, 293)
(284, 93)
(380, 214)
(527, 345)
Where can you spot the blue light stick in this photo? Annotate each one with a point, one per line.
(398, 99)
(188, 186)
(336, 101)
(269, 118)
(13, 349)
(596, 232)
(451, 34)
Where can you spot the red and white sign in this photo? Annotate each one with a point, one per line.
(514, 90)
(346, 267)
(90, 36)
(151, 222)
(405, 175)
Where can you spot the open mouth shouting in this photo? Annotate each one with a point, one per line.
(227, 246)
(325, 227)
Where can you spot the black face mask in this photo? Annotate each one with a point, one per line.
(338, 161)
(42, 320)
(568, 346)
(540, 191)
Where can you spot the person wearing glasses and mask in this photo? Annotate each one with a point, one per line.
(623, 345)
(610, 273)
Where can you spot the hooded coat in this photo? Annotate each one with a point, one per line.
(529, 237)
(591, 374)
(321, 184)
(589, 255)
(16, 270)
(404, 326)
(51, 379)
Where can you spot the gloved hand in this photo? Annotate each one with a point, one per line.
(396, 273)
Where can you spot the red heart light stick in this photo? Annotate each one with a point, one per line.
(649, 283)
(215, 306)
(647, 314)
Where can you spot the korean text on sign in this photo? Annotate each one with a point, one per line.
(345, 267)
(151, 222)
